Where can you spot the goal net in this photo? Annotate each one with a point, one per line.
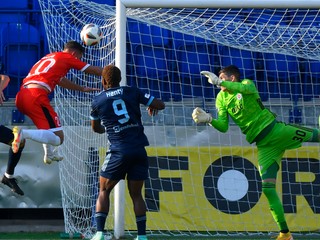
(202, 182)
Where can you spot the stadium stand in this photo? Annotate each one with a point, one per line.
(21, 49)
(20, 42)
(23, 40)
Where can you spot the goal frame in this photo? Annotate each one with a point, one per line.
(120, 56)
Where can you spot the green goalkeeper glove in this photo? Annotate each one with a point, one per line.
(200, 116)
(212, 78)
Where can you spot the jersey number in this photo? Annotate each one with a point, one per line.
(119, 108)
(42, 66)
(299, 135)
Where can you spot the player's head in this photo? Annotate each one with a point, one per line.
(229, 73)
(111, 77)
(75, 48)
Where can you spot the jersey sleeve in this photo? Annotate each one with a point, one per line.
(246, 86)
(144, 98)
(77, 64)
(222, 121)
(94, 110)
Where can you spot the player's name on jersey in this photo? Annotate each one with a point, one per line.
(114, 92)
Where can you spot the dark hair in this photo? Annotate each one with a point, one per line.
(111, 76)
(74, 45)
(231, 70)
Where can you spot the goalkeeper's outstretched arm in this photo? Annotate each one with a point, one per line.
(200, 116)
(246, 86)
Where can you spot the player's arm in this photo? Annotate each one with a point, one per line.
(4, 81)
(155, 106)
(97, 127)
(95, 70)
(95, 119)
(222, 121)
(245, 87)
(68, 84)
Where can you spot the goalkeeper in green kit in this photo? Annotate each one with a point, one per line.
(240, 100)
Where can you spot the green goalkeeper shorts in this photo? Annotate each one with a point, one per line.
(282, 137)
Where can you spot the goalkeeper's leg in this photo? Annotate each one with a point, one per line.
(269, 189)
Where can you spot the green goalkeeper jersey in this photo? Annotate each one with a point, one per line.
(243, 104)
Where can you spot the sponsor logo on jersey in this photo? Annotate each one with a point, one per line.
(147, 95)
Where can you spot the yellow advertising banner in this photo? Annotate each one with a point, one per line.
(219, 189)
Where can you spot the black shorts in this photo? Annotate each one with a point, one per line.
(6, 135)
(130, 163)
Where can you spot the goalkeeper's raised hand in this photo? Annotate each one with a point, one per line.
(212, 78)
(200, 116)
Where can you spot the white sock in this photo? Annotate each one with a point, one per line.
(41, 136)
(8, 175)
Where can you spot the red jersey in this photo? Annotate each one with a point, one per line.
(51, 68)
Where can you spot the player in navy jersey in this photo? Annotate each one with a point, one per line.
(116, 111)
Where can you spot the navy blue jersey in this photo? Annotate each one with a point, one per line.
(119, 112)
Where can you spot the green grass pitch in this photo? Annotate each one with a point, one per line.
(56, 236)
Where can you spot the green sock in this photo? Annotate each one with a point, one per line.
(276, 208)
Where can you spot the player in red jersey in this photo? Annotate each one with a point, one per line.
(33, 101)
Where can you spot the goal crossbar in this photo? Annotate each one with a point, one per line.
(221, 4)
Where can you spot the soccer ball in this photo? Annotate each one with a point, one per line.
(91, 34)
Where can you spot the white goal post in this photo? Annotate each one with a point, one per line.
(202, 182)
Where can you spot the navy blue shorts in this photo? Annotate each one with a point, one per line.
(130, 163)
(6, 135)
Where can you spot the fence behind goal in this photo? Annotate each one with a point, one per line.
(201, 182)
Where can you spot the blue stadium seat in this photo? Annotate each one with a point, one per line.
(192, 59)
(20, 50)
(152, 70)
(109, 2)
(224, 19)
(307, 22)
(250, 66)
(265, 16)
(261, 83)
(311, 79)
(244, 60)
(304, 18)
(14, 4)
(193, 55)
(282, 73)
(147, 45)
(141, 33)
(19, 58)
(12, 17)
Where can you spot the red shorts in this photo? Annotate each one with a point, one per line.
(35, 103)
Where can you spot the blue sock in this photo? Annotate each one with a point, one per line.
(141, 224)
(101, 221)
